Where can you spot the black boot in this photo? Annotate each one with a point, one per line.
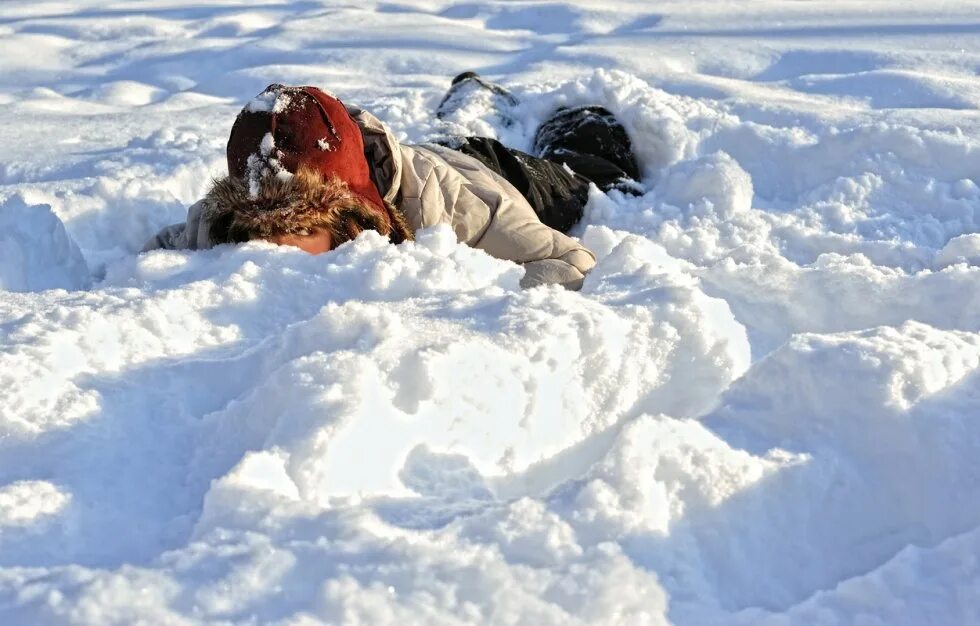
(593, 143)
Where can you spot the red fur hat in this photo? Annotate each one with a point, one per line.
(293, 153)
(286, 128)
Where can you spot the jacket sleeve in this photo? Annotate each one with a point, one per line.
(189, 235)
(488, 213)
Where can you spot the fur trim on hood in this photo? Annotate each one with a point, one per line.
(295, 205)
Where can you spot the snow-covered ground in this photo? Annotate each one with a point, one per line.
(762, 408)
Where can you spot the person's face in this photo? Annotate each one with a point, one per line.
(315, 243)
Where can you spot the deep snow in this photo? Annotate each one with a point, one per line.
(761, 409)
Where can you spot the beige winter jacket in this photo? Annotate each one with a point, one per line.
(436, 185)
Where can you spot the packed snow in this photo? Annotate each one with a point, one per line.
(760, 409)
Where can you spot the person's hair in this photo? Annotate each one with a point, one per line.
(295, 205)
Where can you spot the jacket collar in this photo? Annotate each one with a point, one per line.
(382, 152)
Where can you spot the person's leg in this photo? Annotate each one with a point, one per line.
(469, 91)
(591, 141)
(556, 194)
(576, 146)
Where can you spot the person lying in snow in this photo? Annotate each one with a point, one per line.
(306, 170)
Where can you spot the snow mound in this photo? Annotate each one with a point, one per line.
(962, 249)
(126, 93)
(423, 365)
(36, 252)
(23, 502)
(891, 453)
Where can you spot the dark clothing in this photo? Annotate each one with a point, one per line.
(556, 194)
(576, 146)
(591, 141)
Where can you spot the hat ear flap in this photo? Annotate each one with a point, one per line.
(352, 227)
(354, 219)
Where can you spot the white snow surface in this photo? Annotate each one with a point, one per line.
(762, 407)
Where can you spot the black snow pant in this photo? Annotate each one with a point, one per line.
(576, 146)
